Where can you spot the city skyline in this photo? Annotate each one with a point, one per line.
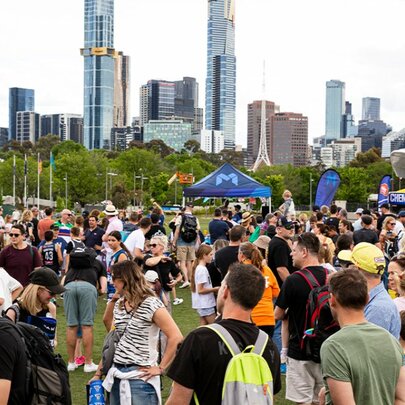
(304, 45)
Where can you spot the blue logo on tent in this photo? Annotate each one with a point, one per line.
(223, 177)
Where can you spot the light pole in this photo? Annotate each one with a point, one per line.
(310, 192)
(66, 190)
(107, 173)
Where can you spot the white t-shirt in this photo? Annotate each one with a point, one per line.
(202, 301)
(136, 239)
(400, 303)
(8, 284)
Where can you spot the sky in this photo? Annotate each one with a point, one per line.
(303, 44)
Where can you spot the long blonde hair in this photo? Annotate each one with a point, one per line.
(201, 252)
(29, 299)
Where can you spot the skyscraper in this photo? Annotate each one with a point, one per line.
(121, 91)
(335, 108)
(69, 127)
(99, 65)
(19, 100)
(28, 126)
(220, 88)
(371, 108)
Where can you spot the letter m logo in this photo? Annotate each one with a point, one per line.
(223, 177)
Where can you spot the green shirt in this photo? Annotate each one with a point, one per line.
(368, 357)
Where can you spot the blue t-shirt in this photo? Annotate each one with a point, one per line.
(58, 240)
(218, 229)
(94, 237)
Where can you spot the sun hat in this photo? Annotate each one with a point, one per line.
(151, 276)
(262, 242)
(110, 210)
(246, 216)
(46, 277)
(368, 257)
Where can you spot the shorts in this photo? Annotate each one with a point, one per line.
(80, 303)
(303, 381)
(186, 253)
(206, 311)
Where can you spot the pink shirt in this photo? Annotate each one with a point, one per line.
(115, 224)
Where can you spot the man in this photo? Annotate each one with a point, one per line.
(357, 222)
(35, 221)
(333, 219)
(65, 225)
(114, 224)
(268, 227)
(44, 224)
(366, 233)
(202, 360)
(185, 249)
(155, 227)
(135, 242)
(361, 363)
(237, 216)
(93, 236)
(13, 365)
(385, 212)
(132, 223)
(225, 217)
(19, 259)
(229, 254)
(217, 228)
(380, 309)
(304, 378)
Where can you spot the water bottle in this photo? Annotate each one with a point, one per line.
(96, 393)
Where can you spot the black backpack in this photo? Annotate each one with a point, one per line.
(47, 378)
(319, 322)
(188, 230)
(81, 257)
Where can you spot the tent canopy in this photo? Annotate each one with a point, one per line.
(227, 182)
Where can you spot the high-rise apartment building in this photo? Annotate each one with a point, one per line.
(211, 141)
(19, 100)
(28, 126)
(349, 126)
(99, 65)
(392, 141)
(220, 88)
(371, 108)
(68, 127)
(289, 139)
(121, 91)
(335, 108)
(254, 128)
(3, 136)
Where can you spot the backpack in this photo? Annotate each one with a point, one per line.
(47, 380)
(81, 257)
(248, 379)
(391, 247)
(319, 322)
(188, 230)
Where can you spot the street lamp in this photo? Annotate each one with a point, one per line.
(66, 190)
(107, 173)
(310, 192)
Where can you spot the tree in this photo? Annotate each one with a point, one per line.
(364, 159)
(45, 144)
(192, 146)
(159, 147)
(354, 184)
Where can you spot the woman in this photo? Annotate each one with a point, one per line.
(247, 223)
(396, 280)
(320, 230)
(263, 313)
(262, 243)
(138, 316)
(26, 222)
(345, 227)
(388, 238)
(34, 306)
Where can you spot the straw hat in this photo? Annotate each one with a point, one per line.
(246, 216)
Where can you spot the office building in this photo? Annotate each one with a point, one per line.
(371, 109)
(3, 136)
(327, 156)
(186, 98)
(289, 139)
(254, 128)
(122, 137)
(174, 133)
(121, 90)
(392, 141)
(19, 100)
(350, 128)
(341, 152)
(372, 133)
(28, 126)
(335, 107)
(211, 141)
(99, 65)
(220, 88)
(68, 127)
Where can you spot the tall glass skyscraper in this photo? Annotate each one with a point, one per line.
(371, 108)
(220, 88)
(99, 56)
(18, 100)
(335, 108)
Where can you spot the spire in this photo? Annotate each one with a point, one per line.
(262, 156)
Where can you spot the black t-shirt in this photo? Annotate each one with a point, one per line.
(94, 237)
(13, 362)
(164, 269)
(155, 229)
(294, 295)
(333, 221)
(91, 275)
(279, 255)
(225, 257)
(203, 358)
(218, 229)
(365, 235)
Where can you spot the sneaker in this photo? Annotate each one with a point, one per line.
(71, 366)
(79, 361)
(283, 368)
(185, 284)
(178, 301)
(90, 368)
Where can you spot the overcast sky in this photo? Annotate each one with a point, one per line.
(304, 44)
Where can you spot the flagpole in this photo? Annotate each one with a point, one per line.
(38, 183)
(14, 180)
(50, 180)
(25, 181)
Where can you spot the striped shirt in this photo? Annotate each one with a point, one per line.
(139, 343)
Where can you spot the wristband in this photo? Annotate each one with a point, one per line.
(162, 370)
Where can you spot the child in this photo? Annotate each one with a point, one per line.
(203, 298)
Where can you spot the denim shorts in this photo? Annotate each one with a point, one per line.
(206, 311)
(141, 391)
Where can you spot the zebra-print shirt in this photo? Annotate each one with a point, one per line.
(139, 343)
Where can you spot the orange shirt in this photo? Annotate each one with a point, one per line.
(44, 225)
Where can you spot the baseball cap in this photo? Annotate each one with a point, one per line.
(151, 276)
(46, 277)
(345, 255)
(368, 257)
(401, 214)
(359, 211)
(284, 222)
(190, 204)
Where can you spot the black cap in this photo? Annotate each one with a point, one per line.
(46, 277)
(401, 214)
(190, 204)
(283, 221)
(385, 205)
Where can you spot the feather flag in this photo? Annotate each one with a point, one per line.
(52, 162)
(327, 187)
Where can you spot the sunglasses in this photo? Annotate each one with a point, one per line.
(153, 245)
(50, 292)
(391, 223)
(14, 235)
(289, 227)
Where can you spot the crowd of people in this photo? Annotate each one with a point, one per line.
(249, 276)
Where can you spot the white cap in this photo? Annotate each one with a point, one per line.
(151, 276)
(359, 211)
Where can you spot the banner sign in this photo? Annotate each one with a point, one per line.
(383, 190)
(327, 186)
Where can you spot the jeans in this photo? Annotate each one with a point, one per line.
(277, 335)
(141, 391)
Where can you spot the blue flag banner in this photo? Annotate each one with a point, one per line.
(383, 190)
(327, 186)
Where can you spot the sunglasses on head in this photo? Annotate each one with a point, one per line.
(14, 235)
